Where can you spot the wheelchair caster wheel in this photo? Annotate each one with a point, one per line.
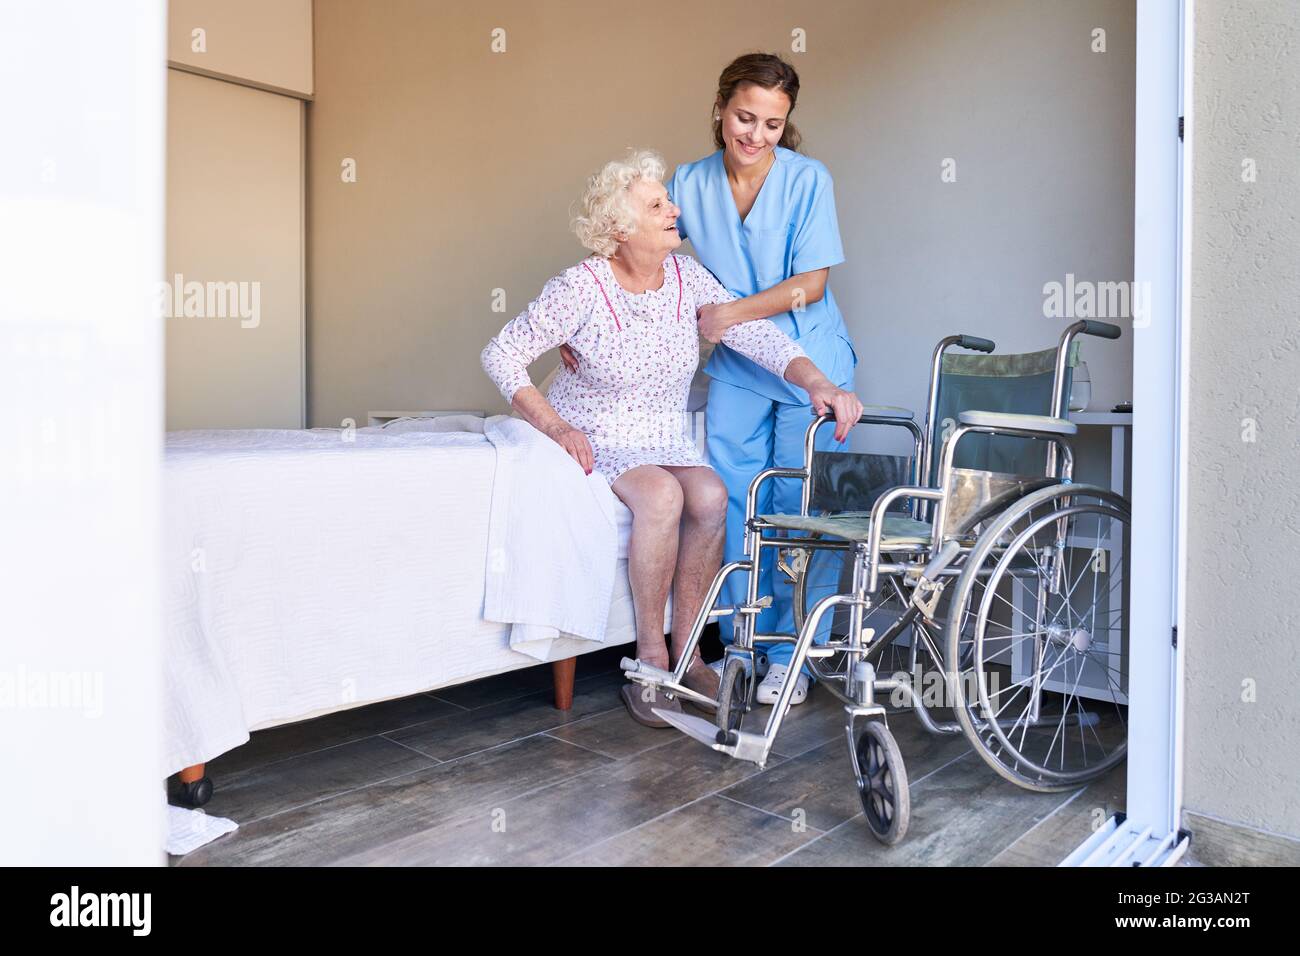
(195, 793)
(886, 800)
(734, 695)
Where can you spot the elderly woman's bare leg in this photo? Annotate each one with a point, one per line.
(655, 499)
(699, 555)
(699, 547)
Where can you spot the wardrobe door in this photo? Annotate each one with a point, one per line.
(234, 295)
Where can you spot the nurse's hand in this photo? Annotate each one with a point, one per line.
(713, 322)
(574, 442)
(568, 358)
(847, 409)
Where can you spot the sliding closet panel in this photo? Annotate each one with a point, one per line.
(234, 292)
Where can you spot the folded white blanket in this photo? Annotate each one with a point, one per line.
(552, 541)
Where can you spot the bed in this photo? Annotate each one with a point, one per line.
(312, 571)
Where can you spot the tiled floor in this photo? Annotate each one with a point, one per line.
(491, 773)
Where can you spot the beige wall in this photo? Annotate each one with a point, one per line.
(1243, 616)
(467, 163)
(263, 43)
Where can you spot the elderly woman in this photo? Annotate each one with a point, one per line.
(629, 314)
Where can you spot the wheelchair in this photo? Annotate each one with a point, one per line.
(973, 565)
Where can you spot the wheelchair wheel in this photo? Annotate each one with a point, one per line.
(735, 694)
(831, 572)
(1037, 633)
(882, 783)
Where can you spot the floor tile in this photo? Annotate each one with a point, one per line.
(359, 820)
(550, 824)
(710, 832)
(272, 788)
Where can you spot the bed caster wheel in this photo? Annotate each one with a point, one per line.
(193, 794)
(734, 695)
(886, 800)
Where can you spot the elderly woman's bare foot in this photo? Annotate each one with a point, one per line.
(655, 656)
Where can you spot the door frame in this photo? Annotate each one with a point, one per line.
(1149, 832)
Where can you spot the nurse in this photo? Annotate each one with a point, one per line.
(761, 218)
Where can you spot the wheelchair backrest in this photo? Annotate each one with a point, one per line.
(990, 471)
(1020, 383)
(852, 481)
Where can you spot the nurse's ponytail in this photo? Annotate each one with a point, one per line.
(771, 73)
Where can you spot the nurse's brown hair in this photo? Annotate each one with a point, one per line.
(768, 71)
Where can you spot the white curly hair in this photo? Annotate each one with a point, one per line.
(606, 212)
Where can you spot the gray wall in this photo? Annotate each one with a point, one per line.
(1243, 600)
(468, 162)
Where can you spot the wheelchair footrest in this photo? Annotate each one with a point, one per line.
(742, 745)
(646, 673)
(705, 731)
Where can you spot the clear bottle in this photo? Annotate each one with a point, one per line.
(1080, 388)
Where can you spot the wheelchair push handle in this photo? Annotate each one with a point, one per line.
(975, 343)
(1101, 329)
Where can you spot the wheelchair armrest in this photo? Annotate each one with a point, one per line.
(751, 496)
(1011, 420)
(878, 512)
(879, 414)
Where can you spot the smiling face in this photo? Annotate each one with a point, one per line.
(656, 219)
(752, 123)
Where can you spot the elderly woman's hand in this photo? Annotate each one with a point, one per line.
(845, 406)
(713, 322)
(568, 358)
(574, 442)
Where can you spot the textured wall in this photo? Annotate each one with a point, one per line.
(1243, 588)
(467, 162)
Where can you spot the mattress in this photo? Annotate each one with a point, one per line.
(310, 571)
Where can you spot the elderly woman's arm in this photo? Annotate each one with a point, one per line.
(806, 287)
(763, 343)
(550, 320)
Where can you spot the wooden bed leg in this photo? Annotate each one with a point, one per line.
(562, 674)
(191, 774)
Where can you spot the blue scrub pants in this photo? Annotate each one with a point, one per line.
(747, 433)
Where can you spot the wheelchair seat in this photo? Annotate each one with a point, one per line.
(900, 531)
(1039, 423)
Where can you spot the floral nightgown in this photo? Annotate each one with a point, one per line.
(637, 354)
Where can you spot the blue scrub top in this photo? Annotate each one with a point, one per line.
(791, 229)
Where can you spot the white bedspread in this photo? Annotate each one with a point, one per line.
(552, 541)
(305, 573)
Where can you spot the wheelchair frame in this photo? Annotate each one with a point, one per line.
(973, 516)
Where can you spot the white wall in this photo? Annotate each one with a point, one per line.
(81, 249)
